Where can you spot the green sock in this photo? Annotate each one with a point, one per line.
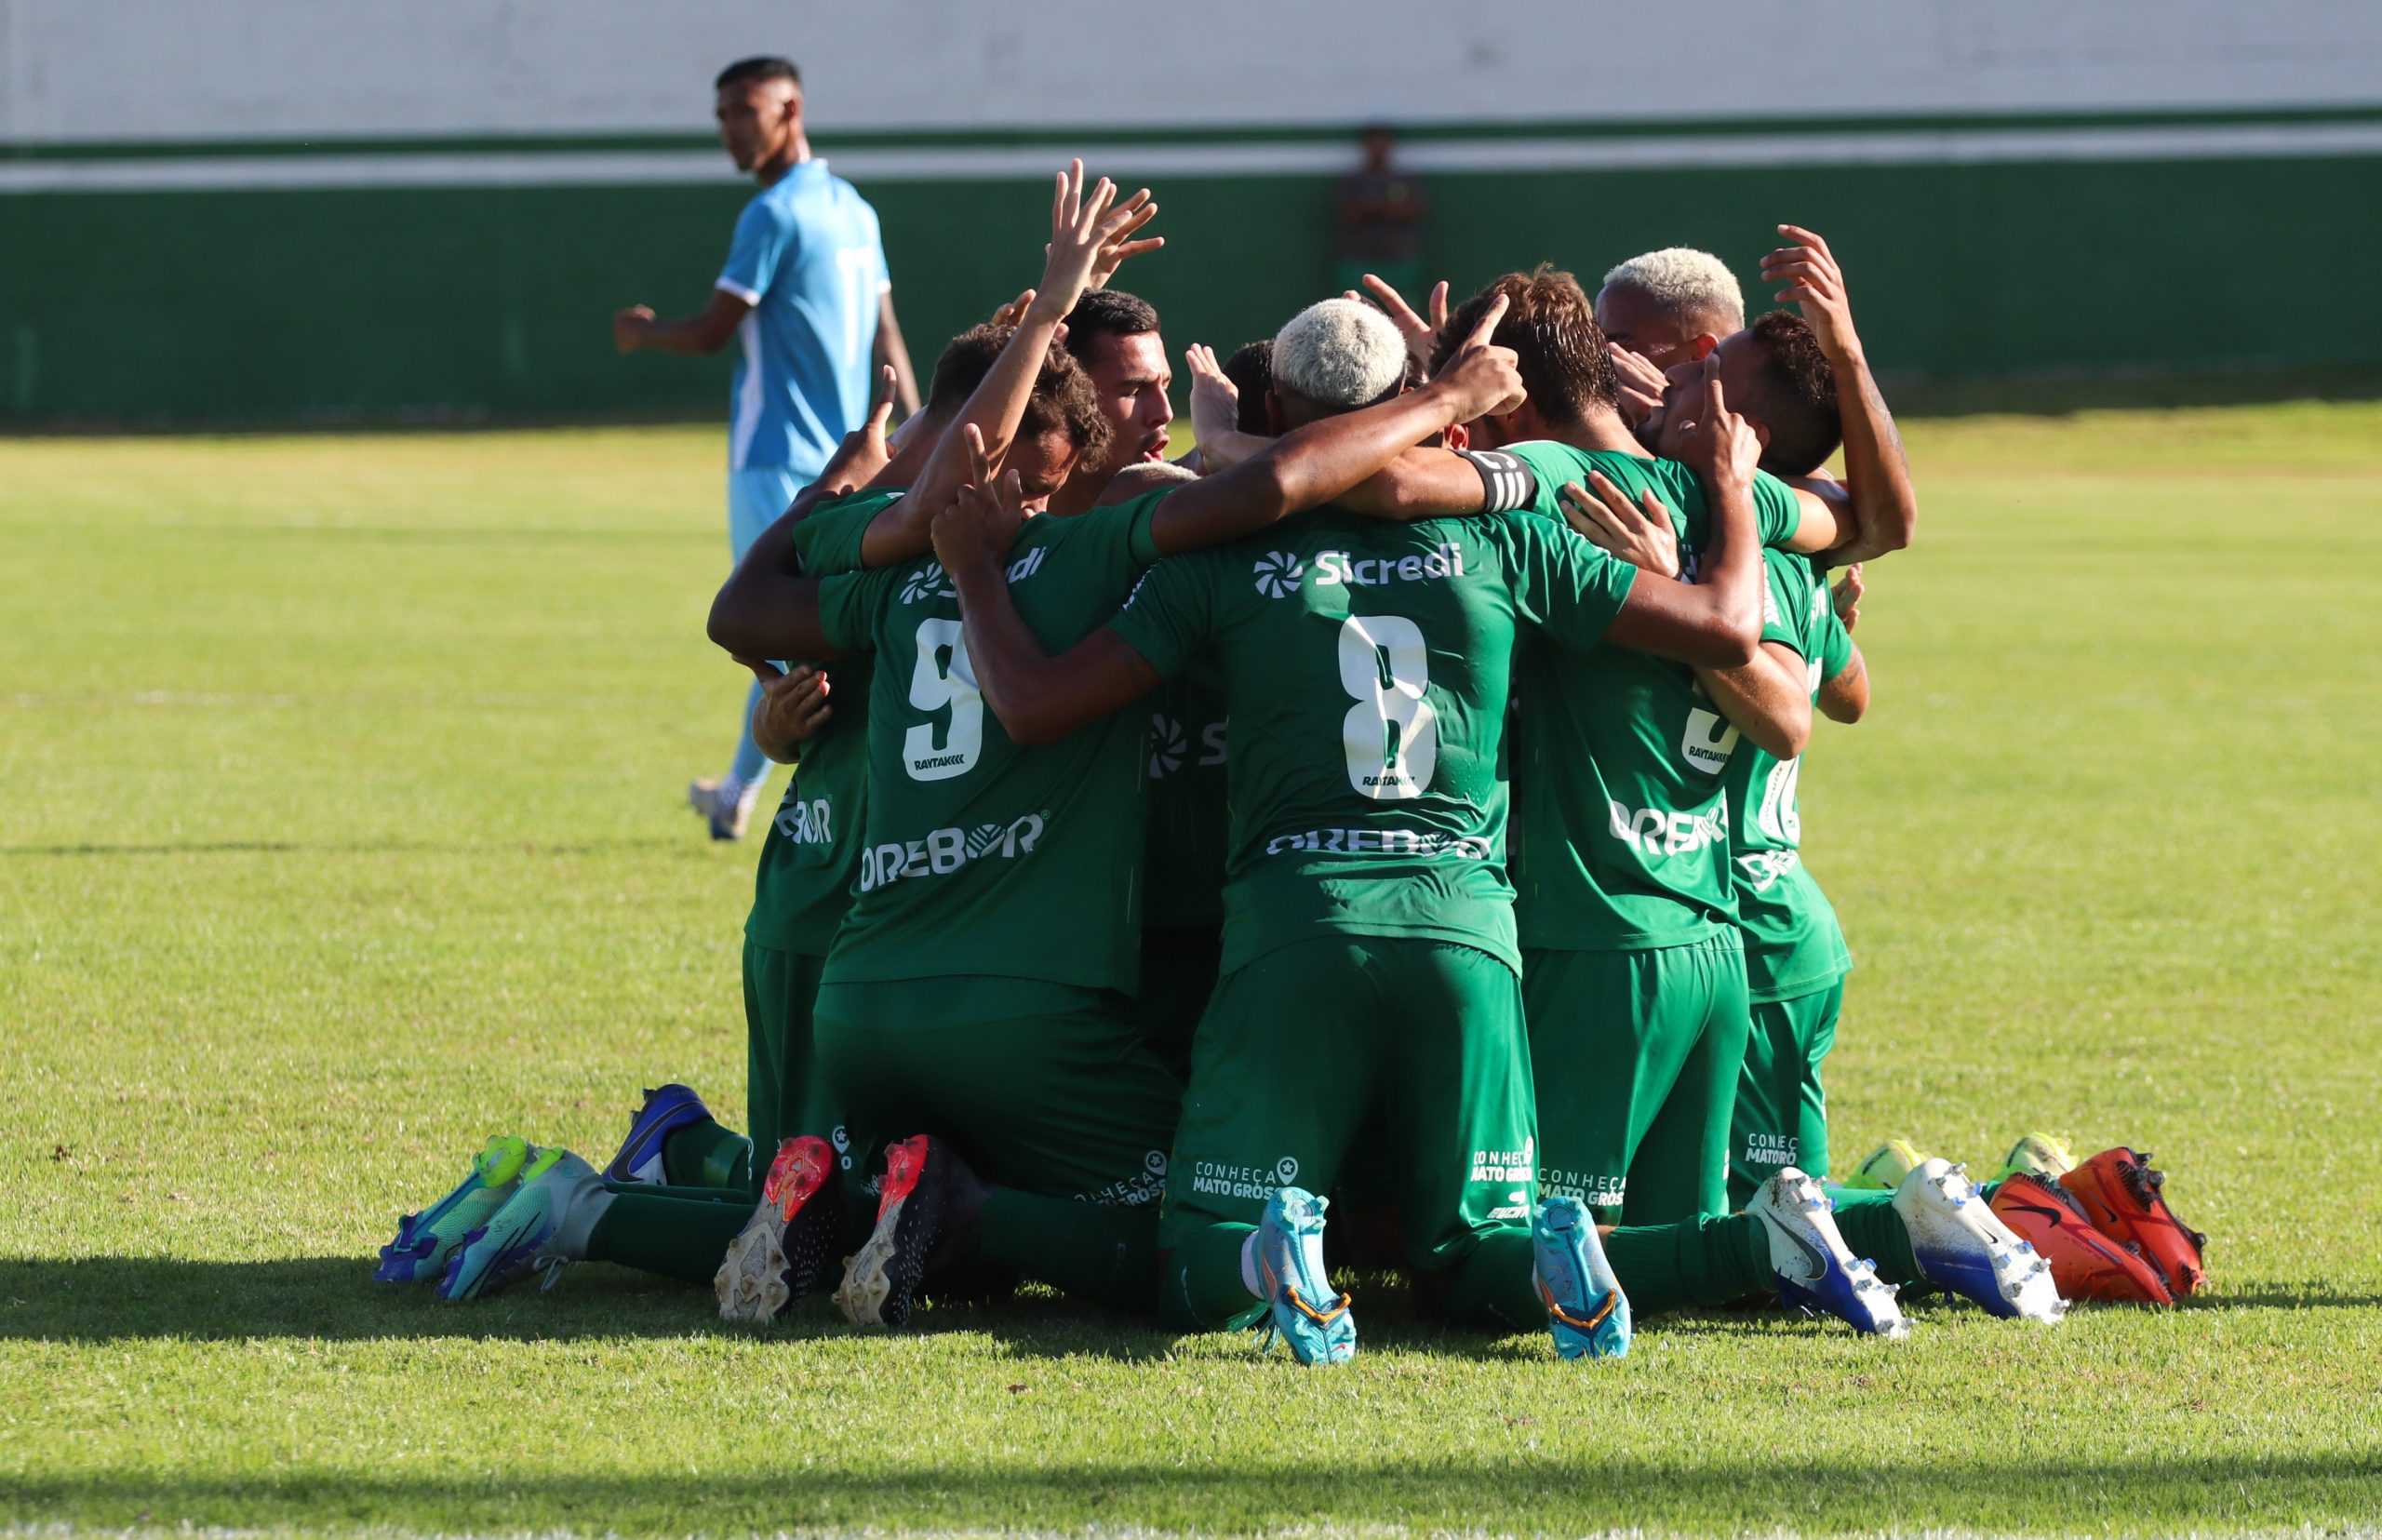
(678, 1232)
(1493, 1287)
(1710, 1261)
(1200, 1288)
(1097, 1251)
(1871, 1227)
(705, 1155)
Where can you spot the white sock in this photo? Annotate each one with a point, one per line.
(578, 1220)
(1249, 1278)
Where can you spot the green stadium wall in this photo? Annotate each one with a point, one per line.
(171, 306)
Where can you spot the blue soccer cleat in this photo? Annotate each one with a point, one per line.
(1816, 1272)
(1586, 1309)
(1963, 1246)
(664, 1113)
(543, 1225)
(1301, 1308)
(427, 1240)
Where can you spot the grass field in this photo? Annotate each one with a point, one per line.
(341, 828)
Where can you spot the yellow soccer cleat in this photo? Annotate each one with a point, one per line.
(1884, 1168)
(2042, 1156)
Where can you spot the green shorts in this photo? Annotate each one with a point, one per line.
(1300, 1045)
(1179, 965)
(1782, 1109)
(1638, 1056)
(784, 1095)
(1041, 1087)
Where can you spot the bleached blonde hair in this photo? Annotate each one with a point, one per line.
(1692, 286)
(1339, 355)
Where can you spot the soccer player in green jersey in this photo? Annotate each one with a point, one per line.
(564, 1210)
(1632, 972)
(1369, 944)
(1809, 382)
(969, 993)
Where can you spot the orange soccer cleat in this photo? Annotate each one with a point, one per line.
(2120, 1193)
(2084, 1262)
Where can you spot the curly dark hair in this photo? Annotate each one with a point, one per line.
(1550, 322)
(1796, 397)
(1063, 397)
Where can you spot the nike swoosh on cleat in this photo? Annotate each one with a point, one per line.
(1810, 1253)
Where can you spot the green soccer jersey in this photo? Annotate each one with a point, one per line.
(1793, 944)
(1186, 876)
(981, 856)
(1365, 664)
(1624, 841)
(811, 852)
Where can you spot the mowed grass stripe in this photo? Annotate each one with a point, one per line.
(342, 830)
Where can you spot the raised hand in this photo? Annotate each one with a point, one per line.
(1486, 379)
(1646, 539)
(1089, 238)
(1642, 385)
(1215, 400)
(972, 533)
(1814, 281)
(1847, 597)
(1422, 336)
(1714, 441)
(864, 451)
(1008, 314)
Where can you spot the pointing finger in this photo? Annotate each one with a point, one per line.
(1489, 319)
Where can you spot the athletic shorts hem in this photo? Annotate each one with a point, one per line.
(1795, 989)
(1472, 941)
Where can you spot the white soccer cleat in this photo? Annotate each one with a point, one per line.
(1963, 1245)
(1814, 1269)
(726, 815)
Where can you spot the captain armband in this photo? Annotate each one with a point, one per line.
(1507, 483)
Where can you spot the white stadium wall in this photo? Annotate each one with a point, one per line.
(176, 174)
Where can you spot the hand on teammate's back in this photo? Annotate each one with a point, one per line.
(1646, 538)
(1816, 283)
(792, 709)
(1486, 379)
(1088, 240)
(1847, 597)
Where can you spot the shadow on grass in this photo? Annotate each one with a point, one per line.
(1738, 1491)
(371, 847)
(115, 1299)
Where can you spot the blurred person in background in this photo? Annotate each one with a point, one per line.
(807, 295)
(1381, 213)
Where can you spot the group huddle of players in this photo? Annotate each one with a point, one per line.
(1146, 887)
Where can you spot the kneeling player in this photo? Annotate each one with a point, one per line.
(1369, 936)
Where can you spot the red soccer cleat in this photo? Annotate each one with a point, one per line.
(2120, 1193)
(775, 1264)
(2084, 1262)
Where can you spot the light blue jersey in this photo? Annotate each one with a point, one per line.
(808, 259)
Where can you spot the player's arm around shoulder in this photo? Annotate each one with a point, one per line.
(1036, 698)
(1769, 699)
(1844, 682)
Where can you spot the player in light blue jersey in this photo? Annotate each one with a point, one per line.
(807, 298)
